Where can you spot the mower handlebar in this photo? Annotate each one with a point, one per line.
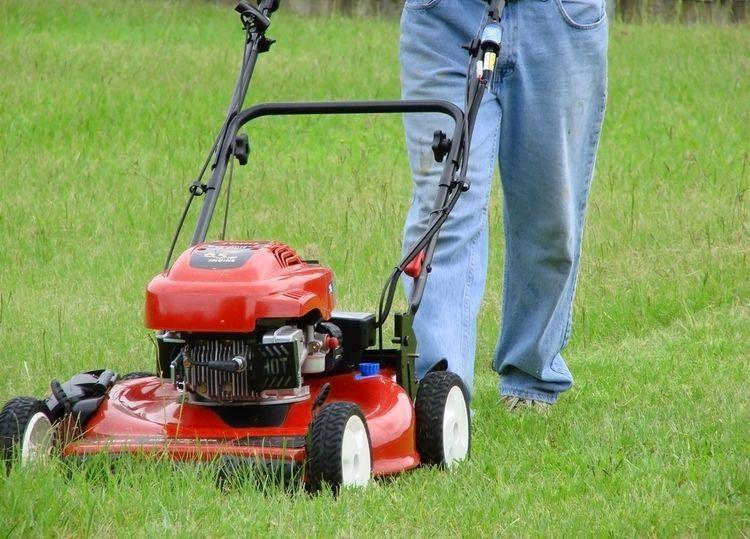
(213, 187)
(347, 107)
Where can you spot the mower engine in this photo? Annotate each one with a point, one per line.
(265, 367)
(242, 322)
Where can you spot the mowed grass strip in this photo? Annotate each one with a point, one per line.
(107, 109)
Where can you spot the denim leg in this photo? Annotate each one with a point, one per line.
(434, 66)
(553, 105)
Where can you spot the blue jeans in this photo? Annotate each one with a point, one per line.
(541, 120)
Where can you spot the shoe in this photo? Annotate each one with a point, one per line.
(514, 404)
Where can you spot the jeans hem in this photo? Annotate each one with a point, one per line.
(526, 394)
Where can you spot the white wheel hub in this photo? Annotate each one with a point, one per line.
(356, 461)
(455, 427)
(37, 438)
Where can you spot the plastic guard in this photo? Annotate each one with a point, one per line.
(414, 268)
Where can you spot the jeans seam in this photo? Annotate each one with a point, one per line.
(466, 299)
(465, 323)
(423, 6)
(506, 273)
(576, 25)
(580, 222)
(504, 70)
(510, 391)
(504, 304)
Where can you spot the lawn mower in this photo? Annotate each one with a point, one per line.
(253, 361)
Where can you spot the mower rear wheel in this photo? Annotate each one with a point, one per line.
(339, 451)
(443, 420)
(25, 427)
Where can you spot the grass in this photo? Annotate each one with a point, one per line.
(107, 108)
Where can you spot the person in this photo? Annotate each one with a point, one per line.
(541, 119)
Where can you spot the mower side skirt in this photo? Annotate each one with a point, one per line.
(190, 450)
(150, 417)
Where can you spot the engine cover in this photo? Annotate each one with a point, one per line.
(226, 287)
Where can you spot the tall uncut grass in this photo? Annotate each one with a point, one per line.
(106, 111)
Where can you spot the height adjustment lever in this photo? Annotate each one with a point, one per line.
(441, 145)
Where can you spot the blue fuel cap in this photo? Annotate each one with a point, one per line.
(369, 369)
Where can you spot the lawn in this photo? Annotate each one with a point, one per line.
(106, 110)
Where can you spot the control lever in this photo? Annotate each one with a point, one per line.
(441, 145)
(252, 15)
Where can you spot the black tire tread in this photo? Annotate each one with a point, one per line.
(14, 418)
(324, 447)
(429, 409)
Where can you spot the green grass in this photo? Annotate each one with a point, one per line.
(106, 109)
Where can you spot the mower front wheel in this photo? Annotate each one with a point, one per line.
(339, 450)
(443, 420)
(25, 428)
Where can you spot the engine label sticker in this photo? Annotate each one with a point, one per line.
(219, 257)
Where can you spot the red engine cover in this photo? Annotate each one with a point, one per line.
(228, 286)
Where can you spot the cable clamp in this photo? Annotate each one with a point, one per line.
(442, 211)
(461, 183)
(198, 188)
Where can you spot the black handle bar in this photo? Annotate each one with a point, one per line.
(213, 187)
